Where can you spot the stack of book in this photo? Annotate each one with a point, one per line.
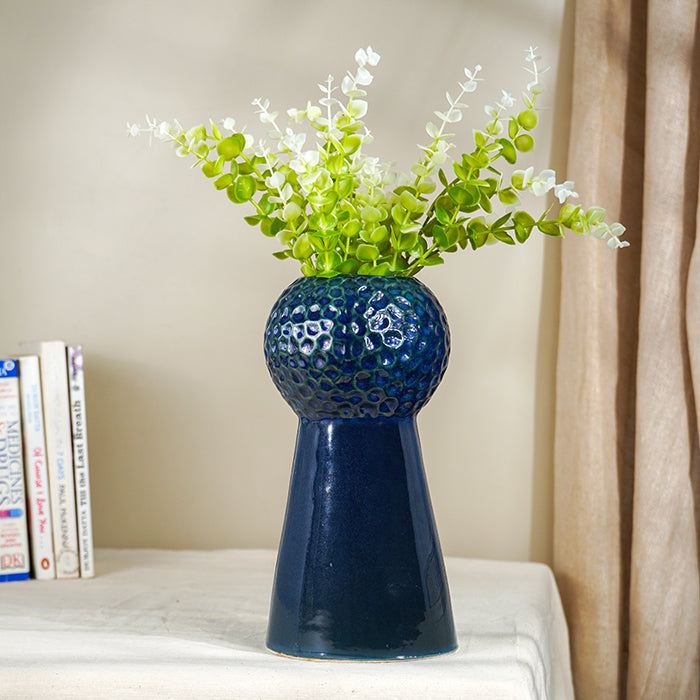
(45, 517)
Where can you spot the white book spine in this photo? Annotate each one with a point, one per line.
(76, 388)
(59, 453)
(35, 469)
(14, 536)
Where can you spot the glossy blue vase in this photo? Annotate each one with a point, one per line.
(360, 574)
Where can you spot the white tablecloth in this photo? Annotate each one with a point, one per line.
(189, 624)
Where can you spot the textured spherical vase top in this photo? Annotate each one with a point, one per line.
(360, 574)
(357, 347)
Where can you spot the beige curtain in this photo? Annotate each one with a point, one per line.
(627, 463)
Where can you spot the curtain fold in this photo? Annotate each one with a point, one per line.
(627, 469)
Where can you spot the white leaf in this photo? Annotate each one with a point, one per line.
(358, 109)
(372, 57)
(508, 100)
(347, 85)
(363, 77)
(286, 192)
(432, 130)
(617, 229)
(276, 180)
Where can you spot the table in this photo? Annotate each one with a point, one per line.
(191, 624)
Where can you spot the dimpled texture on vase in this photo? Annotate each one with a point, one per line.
(357, 347)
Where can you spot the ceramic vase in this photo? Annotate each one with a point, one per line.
(360, 574)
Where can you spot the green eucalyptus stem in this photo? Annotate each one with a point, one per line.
(337, 210)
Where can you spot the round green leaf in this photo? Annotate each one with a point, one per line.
(446, 236)
(351, 144)
(524, 143)
(464, 195)
(522, 217)
(434, 259)
(285, 236)
(370, 214)
(460, 171)
(503, 237)
(528, 119)
(231, 194)
(266, 206)
(568, 214)
(399, 214)
(302, 248)
(344, 187)
(442, 215)
(231, 147)
(513, 127)
(478, 233)
(291, 211)
(408, 201)
(523, 224)
(334, 164)
(328, 260)
(351, 228)
(550, 228)
(379, 235)
(319, 243)
(517, 179)
(348, 267)
(223, 182)
(276, 225)
(508, 197)
(210, 169)
(244, 188)
(367, 252)
(508, 151)
(381, 270)
(595, 215)
(323, 222)
(407, 242)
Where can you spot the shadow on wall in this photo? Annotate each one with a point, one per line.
(541, 543)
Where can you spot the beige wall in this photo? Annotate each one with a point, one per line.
(122, 247)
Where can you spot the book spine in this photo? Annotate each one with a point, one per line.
(14, 537)
(59, 454)
(35, 470)
(76, 388)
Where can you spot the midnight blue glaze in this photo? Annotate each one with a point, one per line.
(360, 574)
(357, 347)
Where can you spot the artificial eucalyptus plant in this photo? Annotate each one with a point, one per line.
(338, 210)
